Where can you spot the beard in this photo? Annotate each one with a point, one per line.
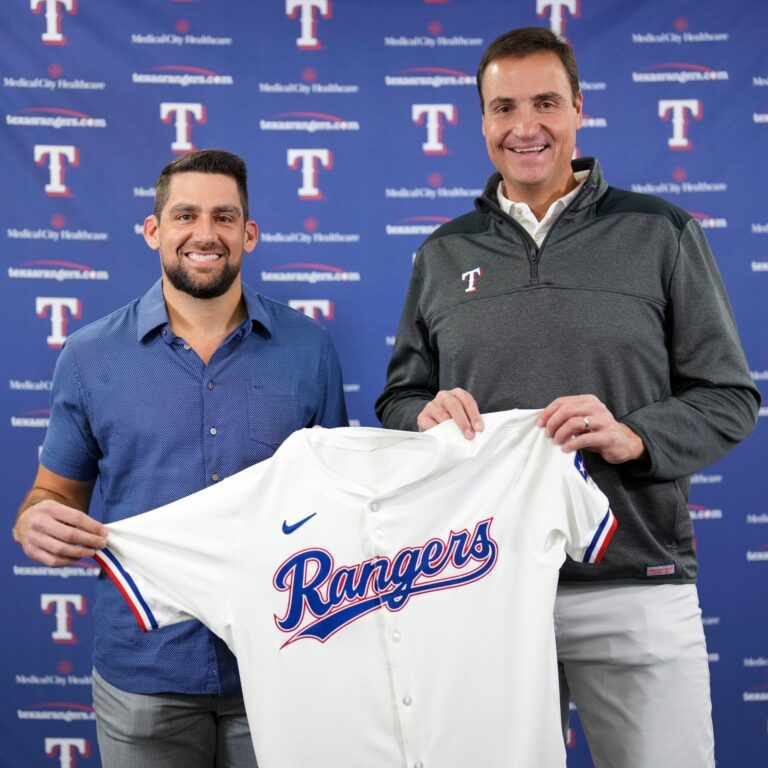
(181, 280)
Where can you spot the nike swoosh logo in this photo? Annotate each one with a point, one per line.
(291, 528)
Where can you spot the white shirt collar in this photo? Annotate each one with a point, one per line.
(524, 216)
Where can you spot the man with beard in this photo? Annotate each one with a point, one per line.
(189, 384)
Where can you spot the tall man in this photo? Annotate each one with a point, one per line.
(606, 309)
(196, 380)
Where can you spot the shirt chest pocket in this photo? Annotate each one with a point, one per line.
(274, 411)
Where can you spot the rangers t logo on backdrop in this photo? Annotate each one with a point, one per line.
(53, 34)
(56, 154)
(680, 109)
(315, 309)
(433, 115)
(58, 307)
(310, 161)
(61, 606)
(66, 749)
(308, 11)
(556, 16)
(183, 141)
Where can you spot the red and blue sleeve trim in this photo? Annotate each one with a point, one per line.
(128, 589)
(601, 539)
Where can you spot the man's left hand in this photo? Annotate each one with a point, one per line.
(582, 422)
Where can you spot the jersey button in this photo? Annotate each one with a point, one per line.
(374, 507)
(396, 636)
(407, 700)
(418, 764)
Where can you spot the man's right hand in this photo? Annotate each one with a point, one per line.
(51, 525)
(456, 404)
(55, 534)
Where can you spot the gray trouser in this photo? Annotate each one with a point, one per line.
(170, 730)
(635, 660)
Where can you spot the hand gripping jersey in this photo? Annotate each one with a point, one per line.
(388, 594)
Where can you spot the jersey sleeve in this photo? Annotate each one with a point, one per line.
(589, 523)
(567, 509)
(180, 561)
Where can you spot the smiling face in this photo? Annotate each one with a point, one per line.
(530, 123)
(201, 234)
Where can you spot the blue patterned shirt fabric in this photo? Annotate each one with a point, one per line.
(134, 405)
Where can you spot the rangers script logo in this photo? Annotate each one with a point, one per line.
(323, 599)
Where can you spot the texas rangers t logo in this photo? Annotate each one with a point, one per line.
(434, 116)
(470, 279)
(556, 15)
(56, 154)
(308, 12)
(182, 111)
(323, 599)
(680, 109)
(53, 34)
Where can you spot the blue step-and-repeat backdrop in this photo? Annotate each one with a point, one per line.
(360, 124)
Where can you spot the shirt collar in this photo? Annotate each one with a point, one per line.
(257, 313)
(525, 217)
(152, 313)
(559, 204)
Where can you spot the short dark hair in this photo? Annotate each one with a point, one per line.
(525, 41)
(204, 161)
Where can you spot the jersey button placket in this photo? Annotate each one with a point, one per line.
(380, 513)
(375, 532)
(403, 683)
(409, 723)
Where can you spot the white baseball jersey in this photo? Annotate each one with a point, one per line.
(388, 594)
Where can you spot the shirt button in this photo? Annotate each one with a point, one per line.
(213, 430)
(186, 346)
(211, 385)
(396, 636)
(165, 332)
(407, 700)
(215, 477)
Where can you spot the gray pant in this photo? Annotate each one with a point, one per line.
(170, 730)
(635, 659)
